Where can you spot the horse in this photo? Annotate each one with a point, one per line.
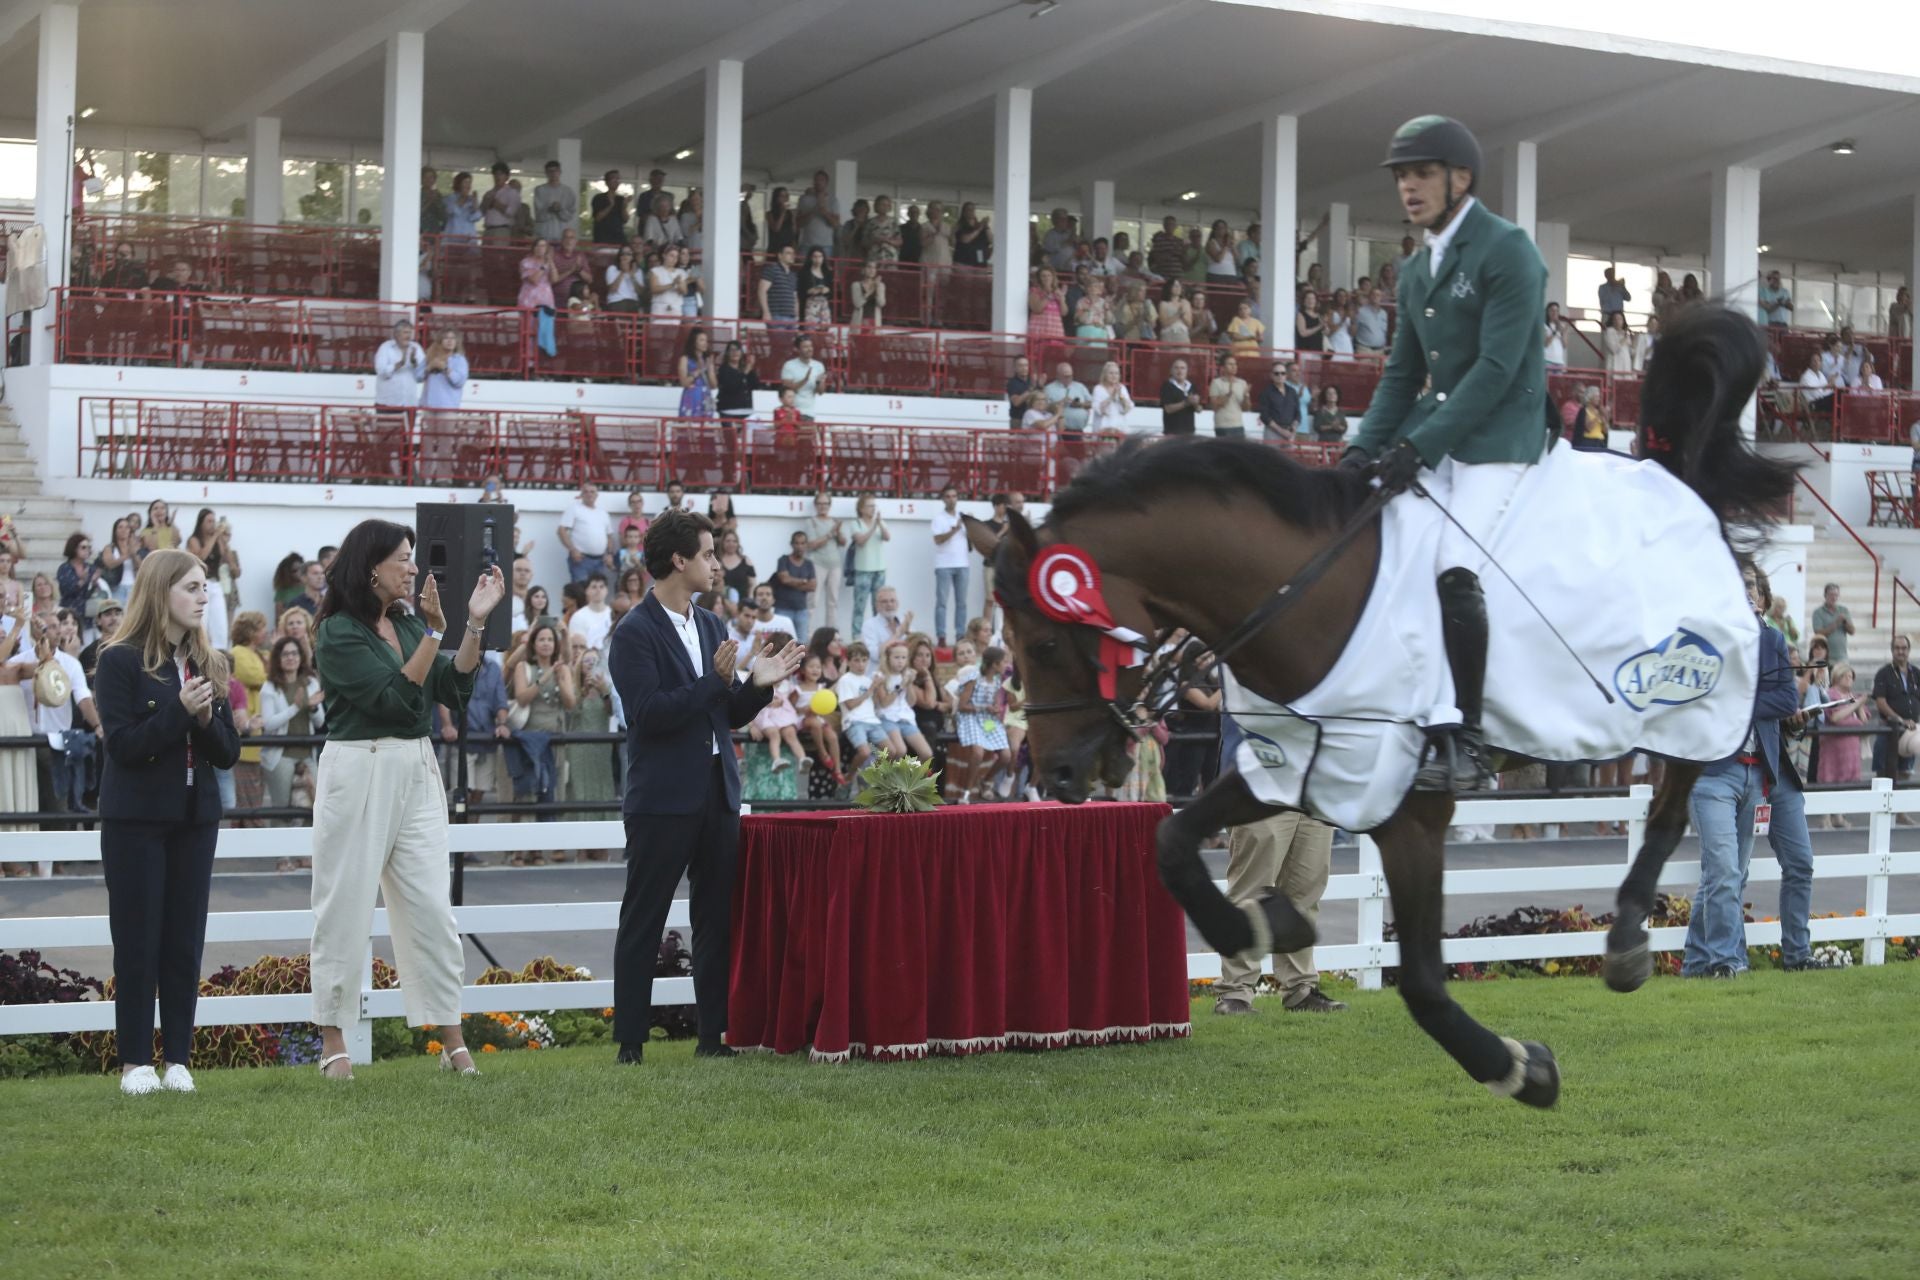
(1200, 534)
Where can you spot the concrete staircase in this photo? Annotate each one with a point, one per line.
(1835, 557)
(41, 520)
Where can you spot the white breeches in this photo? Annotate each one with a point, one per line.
(1477, 494)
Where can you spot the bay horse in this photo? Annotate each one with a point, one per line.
(1199, 534)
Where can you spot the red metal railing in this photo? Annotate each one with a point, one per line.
(1862, 542)
(211, 440)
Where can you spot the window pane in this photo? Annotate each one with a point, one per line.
(110, 167)
(1813, 303)
(226, 187)
(162, 182)
(17, 177)
(313, 191)
(366, 193)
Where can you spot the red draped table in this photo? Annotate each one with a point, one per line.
(970, 929)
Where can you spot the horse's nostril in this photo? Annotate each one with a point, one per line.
(1063, 776)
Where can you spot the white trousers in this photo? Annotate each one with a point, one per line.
(1478, 495)
(380, 826)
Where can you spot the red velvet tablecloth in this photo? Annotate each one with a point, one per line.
(970, 929)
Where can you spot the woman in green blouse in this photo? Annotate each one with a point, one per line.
(379, 809)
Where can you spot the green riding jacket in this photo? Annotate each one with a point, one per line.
(1476, 332)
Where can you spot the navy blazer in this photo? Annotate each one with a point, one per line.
(1776, 698)
(673, 716)
(148, 732)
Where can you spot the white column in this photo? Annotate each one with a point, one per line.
(567, 152)
(1096, 210)
(264, 188)
(1913, 287)
(846, 186)
(1554, 239)
(1012, 197)
(1733, 254)
(720, 148)
(53, 156)
(401, 154)
(1520, 186)
(1279, 224)
(1336, 246)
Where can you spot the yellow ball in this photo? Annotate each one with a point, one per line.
(823, 702)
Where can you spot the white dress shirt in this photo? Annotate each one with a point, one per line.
(689, 632)
(395, 386)
(1437, 241)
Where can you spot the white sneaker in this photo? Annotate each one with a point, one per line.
(138, 1081)
(177, 1078)
(1004, 788)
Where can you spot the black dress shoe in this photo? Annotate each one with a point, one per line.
(629, 1055)
(713, 1049)
(1723, 972)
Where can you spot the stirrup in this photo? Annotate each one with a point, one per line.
(446, 1061)
(332, 1058)
(1454, 763)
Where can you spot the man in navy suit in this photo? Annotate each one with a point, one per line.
(685, 687)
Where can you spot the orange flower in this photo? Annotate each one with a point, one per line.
(489, 1048)
(434, 1046)
(533, 1044)
(606, 1013)
(429, 1027)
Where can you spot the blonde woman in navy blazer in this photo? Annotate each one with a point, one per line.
(161, 690)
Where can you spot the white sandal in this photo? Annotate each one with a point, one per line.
(332, 1058)
(446, 1061)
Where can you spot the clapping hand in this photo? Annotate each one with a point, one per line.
(724, 660)
(430, 611)
(770, 668)
(488, 592)
(196, 695)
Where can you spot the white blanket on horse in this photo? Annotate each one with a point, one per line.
(1630, 566)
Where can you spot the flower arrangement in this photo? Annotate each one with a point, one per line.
(898, 786)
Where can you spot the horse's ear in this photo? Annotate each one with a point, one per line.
(983, 537)
(1023, 533)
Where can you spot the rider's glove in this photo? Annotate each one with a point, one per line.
(1397, 469)
(1356, 459)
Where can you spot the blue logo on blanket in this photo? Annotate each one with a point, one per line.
(1682, 668)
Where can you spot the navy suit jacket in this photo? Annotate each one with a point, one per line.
(1776, 698)
(673, 716)
(148, 733)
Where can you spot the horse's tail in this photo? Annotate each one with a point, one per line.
(1705, 367)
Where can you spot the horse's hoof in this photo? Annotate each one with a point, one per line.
(1542, 1088)
(1291, 930)
(1627, 968)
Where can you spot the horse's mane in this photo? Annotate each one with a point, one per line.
(1141, 470)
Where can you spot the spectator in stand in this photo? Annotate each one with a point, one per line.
(699, 373)
(952, 559)
(1228, 396)
(887, 624)
(867, 296)
(1205, 328)
(1021, 392)
(1222, 261)
(1407, 249)
(827, 549)
(972, 238)
(1309, 326)
(291, 705)
(1179, 399)
(1133, 316)
(693, 226)
(815, 285)
(537, 277)
(1069, 398)
(804, 376)
(1046, 313)
(313, 577)
(737, 383)
(1690, 291)
(297, 624)
(593, 621)
(1167, 253)
(737, 574)
(1056, 246)
(764, 619)
(105, 613)
(667, 285)
(1867, 379)
(500, 206)
(1112, 402)
(1329, 419)
(780, 291)
(115, 562)
(1614, 296)
(445, 373)
(1370, 321)
(1644, 343)
(124, 272)
(1176, 314)
(1900, 314)
(625, 282)
(395, 369)
(1246, 254)
(1554, 337)
(433, 205)
(1816, 389)
(796, 580)
(849, 242)
(157, 535)
(586, 531)
(463, 210)
(1616, 343)
(1833, 623)
(1245, 333)
(571, 263)
(1839, 755)
(1283, 406)
(287, 583)
(1665, 296)
(77, 573)
(535, 607)
(609, 209)
(178, 279)
(818, 216)
(880, 235)
(870, 536)
(636, 517)
(859, 719)
(556, 206)
(1776, 303)
(1852, 354)
(212, 541)
(783, 223)
(1590, 423)
(1093, 313)
(1896, 695)
(662, 227)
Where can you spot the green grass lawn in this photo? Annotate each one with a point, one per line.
(1764, 1127)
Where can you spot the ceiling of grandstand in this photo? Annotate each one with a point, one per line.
(1160, 96)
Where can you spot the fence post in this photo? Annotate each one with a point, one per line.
(1873, 950)
(1373, 913)
(359, 1033)
(1642, 796)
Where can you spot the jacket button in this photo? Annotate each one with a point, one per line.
(1441, 396)
(150, 759)
(1429, 313)
(149, 704)
(1433, 355)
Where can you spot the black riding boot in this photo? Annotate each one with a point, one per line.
(1457, 758)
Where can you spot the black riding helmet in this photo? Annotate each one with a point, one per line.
(1441, 140)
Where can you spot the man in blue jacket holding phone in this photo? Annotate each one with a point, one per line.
(685, 687)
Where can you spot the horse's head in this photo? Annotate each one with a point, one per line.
(1077, 738)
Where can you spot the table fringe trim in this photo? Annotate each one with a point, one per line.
(934, 1046)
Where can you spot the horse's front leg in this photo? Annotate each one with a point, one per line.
(1629, 959)
(1254, 930)
(1412, 852)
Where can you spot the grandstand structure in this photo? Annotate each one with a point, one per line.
(274, 148)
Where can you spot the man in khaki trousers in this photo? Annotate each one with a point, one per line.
(1289, 852)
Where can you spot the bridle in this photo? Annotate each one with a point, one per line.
(1169, 669)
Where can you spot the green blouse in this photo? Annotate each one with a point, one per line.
(367, 696)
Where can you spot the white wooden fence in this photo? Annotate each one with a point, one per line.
(1876, 864)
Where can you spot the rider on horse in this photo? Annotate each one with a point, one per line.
(1464, 393)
